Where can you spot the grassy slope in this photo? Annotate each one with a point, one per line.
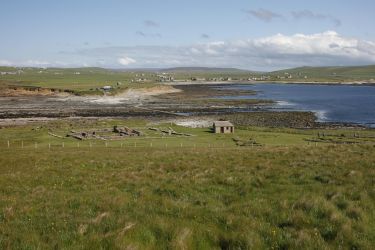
(332, 73)
(291, 196)
(313, 73)
(66, 79)
(205, 69)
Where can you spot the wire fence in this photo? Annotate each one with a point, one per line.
(50, 145)
(20, 144)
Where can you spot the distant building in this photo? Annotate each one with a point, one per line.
(9, 73)
(165, 78)
(106, 88)
(223, 127)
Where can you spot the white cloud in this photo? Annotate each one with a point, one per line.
(36, 63)
(126, 61)
(273, 52)
(5, 63)
(27, 63)
(266, 53)
(43, 64)
(328, 44)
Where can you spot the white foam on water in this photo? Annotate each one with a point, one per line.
(321, 114)
(284, 103)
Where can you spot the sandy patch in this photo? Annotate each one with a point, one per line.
(195, 123)
(190, 122)
(128, 96)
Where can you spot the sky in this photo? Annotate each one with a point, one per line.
(248, 34)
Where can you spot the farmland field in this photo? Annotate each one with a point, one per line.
(79, 81)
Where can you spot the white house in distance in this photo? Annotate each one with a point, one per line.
(106, 88)
(223, 127)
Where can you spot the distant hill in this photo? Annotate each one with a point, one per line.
(185, 70)
(204, 69)
(332, 73)
(352, 72)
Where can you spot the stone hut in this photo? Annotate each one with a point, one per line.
(223, 127)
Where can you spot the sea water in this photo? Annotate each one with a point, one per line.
(331, 103)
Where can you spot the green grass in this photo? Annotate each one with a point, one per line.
(202, 137)
(355, 73)
(285, 195)
(86, 82)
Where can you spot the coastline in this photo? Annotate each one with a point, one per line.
(354, 83)
(193, 98)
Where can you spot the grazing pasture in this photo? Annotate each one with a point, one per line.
(204, 191)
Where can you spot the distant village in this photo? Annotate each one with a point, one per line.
(170, 77)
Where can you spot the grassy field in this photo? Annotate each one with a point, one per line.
(79, 81)
(199, 192)
(330, 73)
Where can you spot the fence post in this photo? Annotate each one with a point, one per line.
(63, 144)
(36, 145)
(21, 144)
(8, 144)
(151, 144)
(49, 146)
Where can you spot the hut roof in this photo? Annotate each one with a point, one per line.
(223, 124)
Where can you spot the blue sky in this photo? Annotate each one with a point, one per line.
(259, 35)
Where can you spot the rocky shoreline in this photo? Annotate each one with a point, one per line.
(177, 102)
